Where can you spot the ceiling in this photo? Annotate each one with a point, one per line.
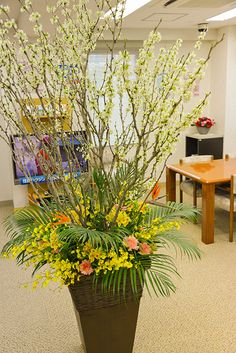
(179, 14)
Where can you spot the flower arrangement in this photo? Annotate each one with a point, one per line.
(205, 122)
(97, 231)
(114, 245)
(97, 224)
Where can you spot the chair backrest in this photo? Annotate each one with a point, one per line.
(197, 158)
(229, 156)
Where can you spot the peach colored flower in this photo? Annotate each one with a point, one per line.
(86, 268)
(131, 243)
(145, 249)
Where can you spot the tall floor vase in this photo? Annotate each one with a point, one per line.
(107, 322)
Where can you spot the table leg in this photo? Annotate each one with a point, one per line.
(208, 213)
(170, 185)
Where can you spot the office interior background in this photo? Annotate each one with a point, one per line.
(201, 317)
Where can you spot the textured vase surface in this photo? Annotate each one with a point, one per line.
(107, 322)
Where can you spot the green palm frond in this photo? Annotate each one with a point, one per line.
(20, 225)
(156, 275)
(16, 240)
(104, 194)
(117, 281)
(76, 233)
(180, 242)
(109, 186)
(128, 173)
(124, 173)
(158, 278)
(173, 211)
(28, 217)
(106, 187)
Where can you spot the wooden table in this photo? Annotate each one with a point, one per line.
(208, 174)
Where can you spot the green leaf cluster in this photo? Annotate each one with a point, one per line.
(154, 271)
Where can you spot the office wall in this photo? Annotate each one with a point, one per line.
(223, 102)
(218, 83)
(6, 173)
(230, 99)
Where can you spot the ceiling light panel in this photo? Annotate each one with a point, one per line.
(207, 4)
(164, 17)
(224, 16)
(131, 6)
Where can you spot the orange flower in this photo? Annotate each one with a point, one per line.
(62, 219)
(156, 191)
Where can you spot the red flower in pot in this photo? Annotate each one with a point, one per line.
(204, 124)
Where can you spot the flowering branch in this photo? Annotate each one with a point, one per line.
(55, 67)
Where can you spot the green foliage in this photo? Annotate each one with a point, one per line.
(173, 211)
(155, 270)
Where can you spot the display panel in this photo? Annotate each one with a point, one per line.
(32, 156)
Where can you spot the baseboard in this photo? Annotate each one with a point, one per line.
(6, 203)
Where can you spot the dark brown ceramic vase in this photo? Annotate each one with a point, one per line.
(107, 322)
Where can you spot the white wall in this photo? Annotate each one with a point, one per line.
(223, 101)
(218, 83)
(230, 102)
(6, 171)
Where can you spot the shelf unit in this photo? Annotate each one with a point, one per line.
(36, 106)
(64, 122)
(204, 144)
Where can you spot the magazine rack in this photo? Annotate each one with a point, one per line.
(35, 108)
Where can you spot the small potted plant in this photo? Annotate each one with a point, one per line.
(204, 124)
